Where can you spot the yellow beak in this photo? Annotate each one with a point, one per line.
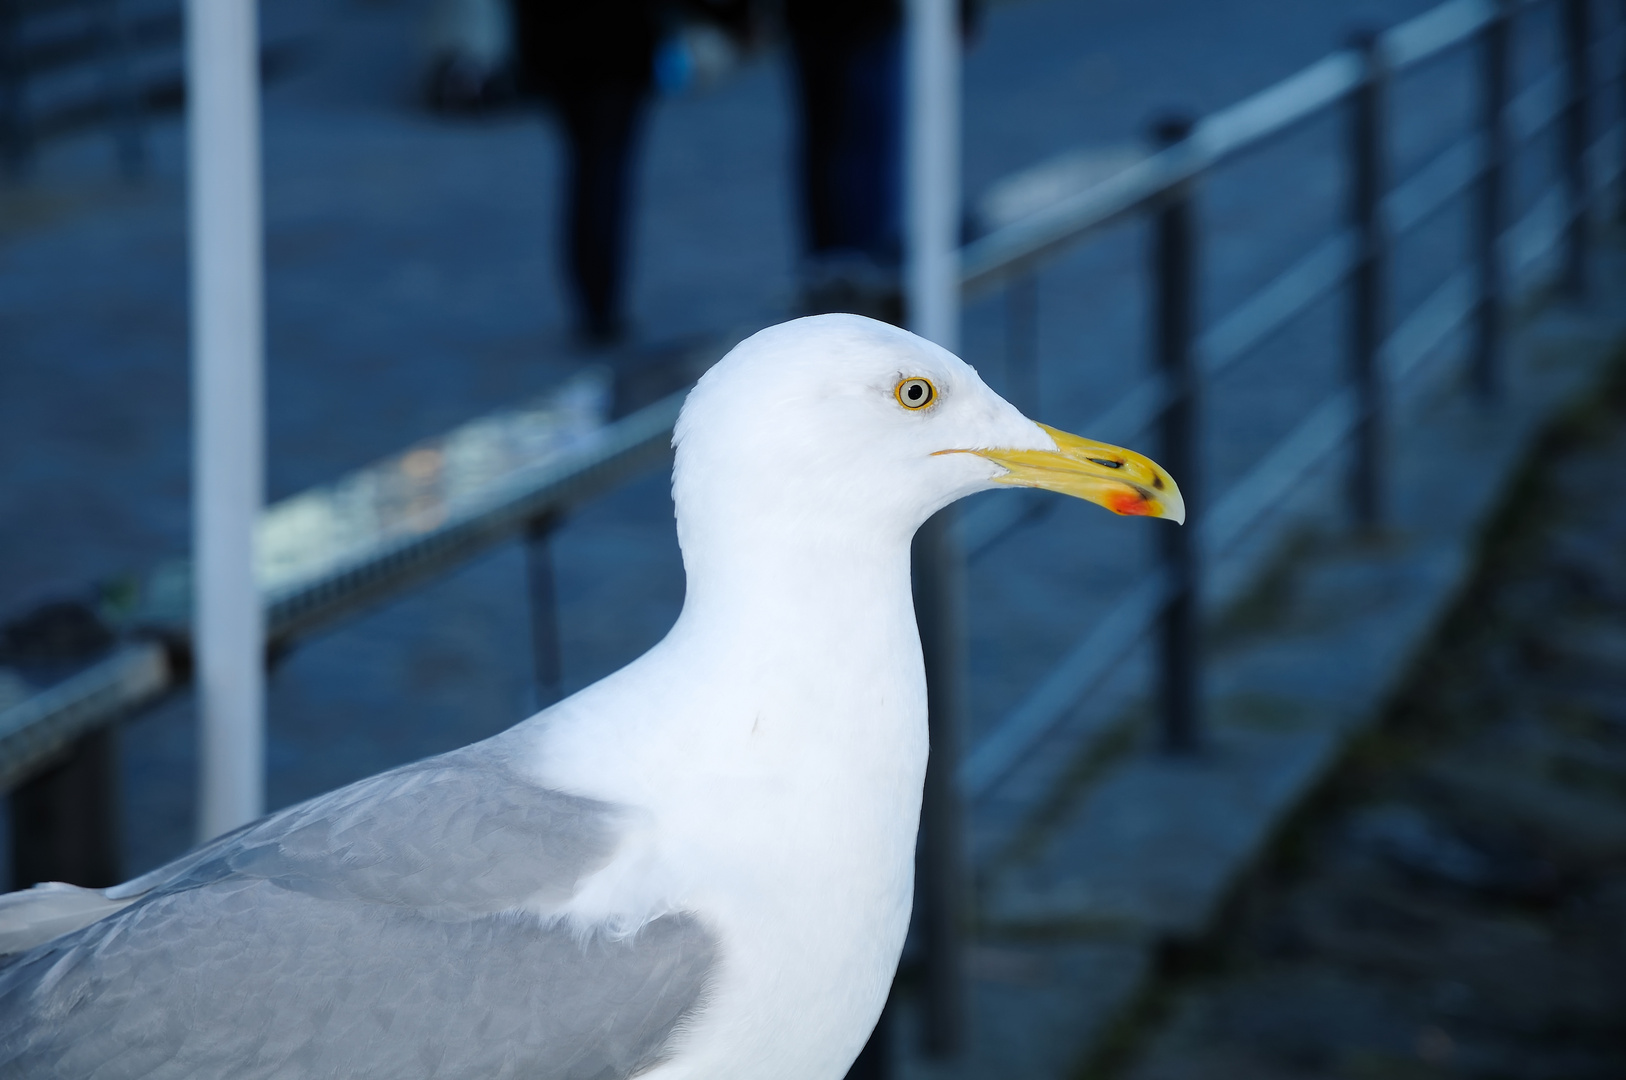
(1120, 480)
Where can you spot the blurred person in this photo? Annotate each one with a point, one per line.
(596, 63)
(848, 57)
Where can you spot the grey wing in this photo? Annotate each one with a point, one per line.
(369, 933)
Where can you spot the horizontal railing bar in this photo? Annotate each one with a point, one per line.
(1129, 415)
(1440, 314)
(1085, 664)
(38, 728)
(1434, 32)
(1537, 233)
(1278, 109)
(1536, 107)
(1014, 249)
(1316, 436)
(1433, 186)
(624, 447)
(1254, 320)
(990, 522)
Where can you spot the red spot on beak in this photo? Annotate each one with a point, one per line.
(1129, 503)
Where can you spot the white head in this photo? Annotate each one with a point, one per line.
(847, 433)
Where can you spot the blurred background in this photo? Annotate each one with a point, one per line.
(487, 222)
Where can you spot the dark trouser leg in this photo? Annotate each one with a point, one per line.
(602, 127)
(851, 142)
(64, 821)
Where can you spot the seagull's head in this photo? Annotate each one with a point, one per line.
(839, 425)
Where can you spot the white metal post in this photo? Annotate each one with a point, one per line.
(223, 142)
(932, 216)
(932, 171)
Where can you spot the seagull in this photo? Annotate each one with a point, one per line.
(699, 867)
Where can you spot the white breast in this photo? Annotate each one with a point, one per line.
(780, 802)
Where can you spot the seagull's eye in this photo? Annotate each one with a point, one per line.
(916, 393)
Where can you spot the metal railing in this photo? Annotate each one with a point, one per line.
(1384, 348)
(412, 531)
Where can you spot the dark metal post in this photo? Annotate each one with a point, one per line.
(1174, 308)
(1488, 367)
(64, 821)
(939, 570)
(1577, 127)
(13, 89)
(874, 1061)
(1367, 285)
(1022, 343)
(544, 597)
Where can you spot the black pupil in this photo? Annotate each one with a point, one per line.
(915, 391)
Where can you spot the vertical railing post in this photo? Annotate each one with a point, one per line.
(1174, 310)
(64, 821)
(13, 90)
(1490, 288)
(542, 586)
(228, 416)
(1367, 285)
(940, 870)
(1022, 343)
(932, 215)
(1576, 18)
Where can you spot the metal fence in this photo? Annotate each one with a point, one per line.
(1385, 348)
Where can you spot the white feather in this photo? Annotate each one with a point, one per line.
(774, 744)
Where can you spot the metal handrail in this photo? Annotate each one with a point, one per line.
(34, 732)
(1017, 248)
(37, 730)
(1398, 356)
(621, 449)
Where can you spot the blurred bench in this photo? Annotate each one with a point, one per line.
(72, 65)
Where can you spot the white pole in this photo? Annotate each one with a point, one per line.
(932, 171)
(932, 216)
(223, 142)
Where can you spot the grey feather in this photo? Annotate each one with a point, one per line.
(368, 933)
(35, 916)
